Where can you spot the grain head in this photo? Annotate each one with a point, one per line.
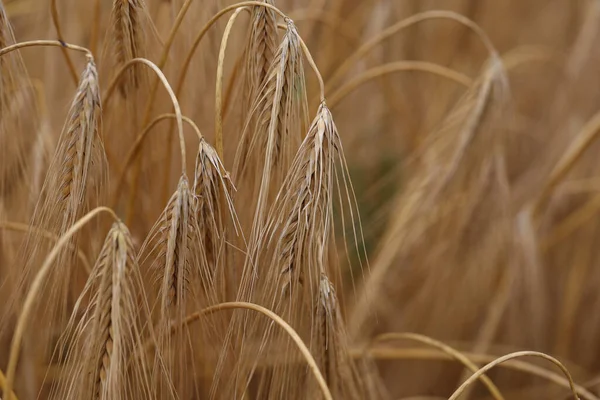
(214, 208)
(103, 347)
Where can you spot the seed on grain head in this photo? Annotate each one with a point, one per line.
(305, 201)
(170, 236)
(274, 128)
(178, 261)
(212, 191)
(280, 108)
(80, 148)
(128, 40)
(262, 45)
(101, 348)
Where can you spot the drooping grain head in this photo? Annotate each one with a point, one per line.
(330, 345)
(279, 111)
(79, 159)
(127, 36)
(105, 336)
(273, 130)
(74, 183)
(261, 47)
(284, 265)
(174, 256)
(213, 207)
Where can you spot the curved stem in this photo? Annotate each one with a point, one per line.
(135, 149)
(275, 318)
(516, 365)
(19, 227)
(511, 356)
(455, 354)
(55, 43)
(582, 142)
(397, 66)
(219, 84)
(204, 30)
(177, 109)
(38, 281)
(392, 30)
(57, 26)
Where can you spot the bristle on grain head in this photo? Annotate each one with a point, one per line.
(331, 348)
(212, 190)
(80, 146)
(177, 260)
(209, 176)
(279, 113)
(301, 217)
(102, 358)
(74, 183)
(262, 45)
(11, 64)
(274, 128)
(175, 257)
(127, 34)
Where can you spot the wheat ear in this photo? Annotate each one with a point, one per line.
(213, 205)
(273, 129)
(175, 258)
(127, 36)
(100, 353)
(74, 183)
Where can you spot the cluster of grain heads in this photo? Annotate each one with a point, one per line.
(103, 343)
